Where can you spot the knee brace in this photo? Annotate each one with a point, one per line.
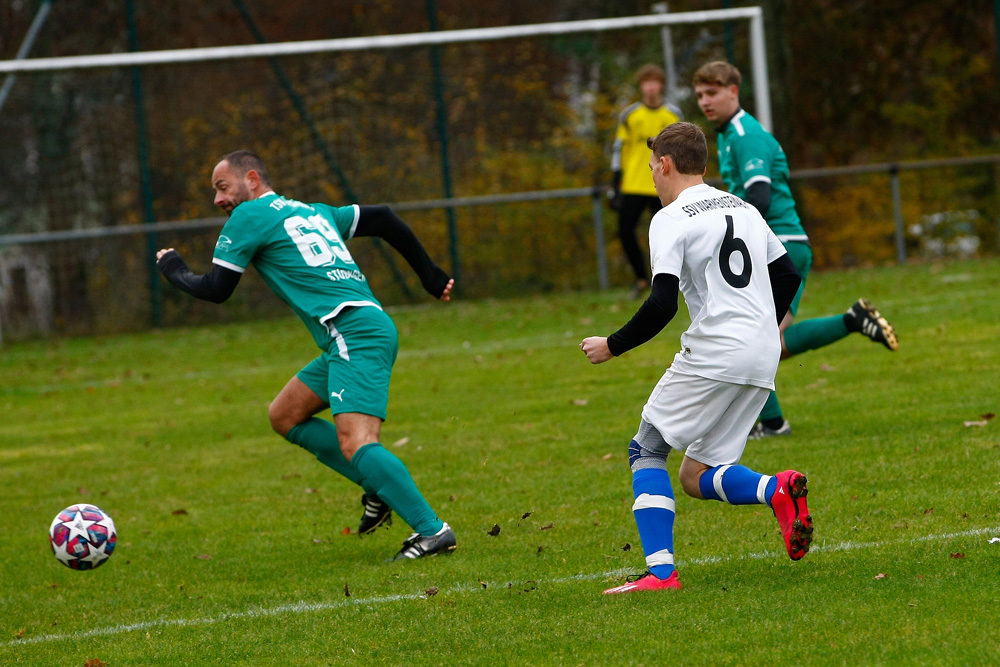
(647, 449)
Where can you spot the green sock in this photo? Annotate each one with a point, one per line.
(387, 476)
(814, 334)
(319, 437)
(771, 409)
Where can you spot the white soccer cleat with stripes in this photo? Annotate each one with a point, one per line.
(419, 546)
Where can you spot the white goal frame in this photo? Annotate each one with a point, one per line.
(755, 15)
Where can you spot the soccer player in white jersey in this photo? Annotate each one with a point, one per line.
(738, 282)
(299, 251)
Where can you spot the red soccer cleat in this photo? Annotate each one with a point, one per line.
(646, 582)
(789, 506)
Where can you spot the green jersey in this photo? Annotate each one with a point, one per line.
(298, 249)
(750, 154)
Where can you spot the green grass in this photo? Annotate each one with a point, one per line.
(502, 416)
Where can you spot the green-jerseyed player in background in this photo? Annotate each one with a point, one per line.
(754, 168)
(299, 251)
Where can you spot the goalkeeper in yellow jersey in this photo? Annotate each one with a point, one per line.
(632, 190)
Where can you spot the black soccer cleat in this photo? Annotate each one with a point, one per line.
(418, 546)
(871, 323)
(377, 513)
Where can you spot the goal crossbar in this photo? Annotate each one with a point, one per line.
(142, 58)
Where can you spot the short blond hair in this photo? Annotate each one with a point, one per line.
(717, 73)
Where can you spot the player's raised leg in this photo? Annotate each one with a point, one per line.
(710, 470)
(785, 493)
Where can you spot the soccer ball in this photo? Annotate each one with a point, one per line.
(82, 537)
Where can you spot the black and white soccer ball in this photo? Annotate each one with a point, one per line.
(83, 537)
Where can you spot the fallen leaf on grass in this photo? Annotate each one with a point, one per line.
(346, 530)
(347, 591)
(881, 575)
(94, 662)
(82, 491)
(547, 526)
(526, 587)
(580, 401)
(204, 557)
(180, 512)
(607, 457)
(627, 547)
(432, 591)
(929, 510)
(482, 583)
(958, 554)
(539, 552)
(400, 442)
(21, 632)
(494, 531)
(988, 416)
(309, 489)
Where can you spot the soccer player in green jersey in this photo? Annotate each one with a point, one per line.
(754, 167)
(298, 249)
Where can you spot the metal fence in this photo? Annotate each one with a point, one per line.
(96, 280)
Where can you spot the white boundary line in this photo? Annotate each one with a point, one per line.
(306, 607)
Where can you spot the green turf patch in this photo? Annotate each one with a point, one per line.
(231, 547)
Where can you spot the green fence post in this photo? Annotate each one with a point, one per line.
(145, 180)
(442, 123)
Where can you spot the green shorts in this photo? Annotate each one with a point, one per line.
(353, 374)
(801, 255)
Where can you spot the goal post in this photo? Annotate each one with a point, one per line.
(754, 15)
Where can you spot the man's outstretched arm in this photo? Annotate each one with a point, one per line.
(216, 286)
(382, 222)
(654, 314)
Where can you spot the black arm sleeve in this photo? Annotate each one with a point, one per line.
(382, 222)
(784, 284)
(216, 286)
(652, 316)
(759, 196)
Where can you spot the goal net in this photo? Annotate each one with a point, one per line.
(116, 140)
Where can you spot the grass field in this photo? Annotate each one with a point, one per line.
(231, 546)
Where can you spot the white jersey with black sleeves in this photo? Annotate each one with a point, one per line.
(719, 247)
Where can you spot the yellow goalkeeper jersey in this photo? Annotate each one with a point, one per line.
(630, 155)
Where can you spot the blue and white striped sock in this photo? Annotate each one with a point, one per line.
(654, 516)
(737, 485)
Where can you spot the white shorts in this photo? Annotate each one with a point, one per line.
(709, 419)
